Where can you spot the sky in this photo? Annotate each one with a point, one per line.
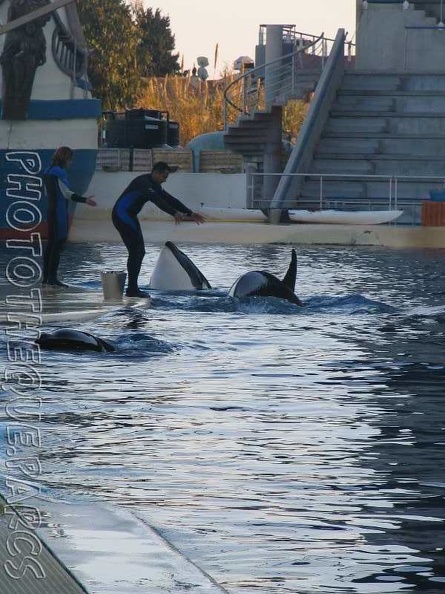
(198, 25)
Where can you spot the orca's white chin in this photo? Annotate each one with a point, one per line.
(174, 271)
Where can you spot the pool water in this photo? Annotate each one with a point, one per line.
(282, 449)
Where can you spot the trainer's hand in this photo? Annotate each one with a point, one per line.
(197, 217)
(179, 217)
(90, 201)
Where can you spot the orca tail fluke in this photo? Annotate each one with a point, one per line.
(291, 274)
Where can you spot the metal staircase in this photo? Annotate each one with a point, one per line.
(254, 100)
(250, 136)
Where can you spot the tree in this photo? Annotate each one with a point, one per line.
(113, 39)
(157, 43)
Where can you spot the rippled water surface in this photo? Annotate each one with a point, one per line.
(283, 449)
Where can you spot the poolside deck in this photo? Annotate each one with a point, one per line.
(97, 549)
(64, 305)
(28, 565)
(393, 236)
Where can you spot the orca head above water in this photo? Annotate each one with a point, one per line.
(67, 339)
(259, 283)
(174, 271)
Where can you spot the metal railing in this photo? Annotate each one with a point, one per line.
(69, 57)
(248, 92)
(392, 200)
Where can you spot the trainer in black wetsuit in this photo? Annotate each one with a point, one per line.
(142, 189)
(58, 193)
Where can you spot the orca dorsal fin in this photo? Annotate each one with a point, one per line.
(291, 274)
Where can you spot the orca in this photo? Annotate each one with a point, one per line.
(67, 339)
(259, 283)
(174, 271)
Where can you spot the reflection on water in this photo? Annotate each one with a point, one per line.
(284, 450)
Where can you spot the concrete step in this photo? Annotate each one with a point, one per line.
(250, 126)
(253, 133)
(430, 8)
(262, 116)
(427, 20)
(260, 123)
(418, 18)
(364, 104)
(239, 139)
(237, 136)
(397, 105)
(350, 146)
(307, 75)
(365, 81)
(345, 125)
(344, 113)
(406, 125)
(394, 157)
(380, 165)
(346, 166)
(419, 147)
(423, 82)
(361, 81)
(252, 121)
(395, 93)
(250, 135)
(246, 149)
(252, 148)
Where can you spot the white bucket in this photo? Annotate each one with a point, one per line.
(113, 283)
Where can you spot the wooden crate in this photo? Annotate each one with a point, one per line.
(220, 162)
(183, 159)
(142, 160)
(433, 213)
(114, 159)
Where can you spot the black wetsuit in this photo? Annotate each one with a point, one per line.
(58, 193)
(141, 190)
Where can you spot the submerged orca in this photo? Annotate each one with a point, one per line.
(66, 339)
(259, 283)
(174, 271)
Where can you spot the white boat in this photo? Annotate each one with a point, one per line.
(233, 215)
(344, 217)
